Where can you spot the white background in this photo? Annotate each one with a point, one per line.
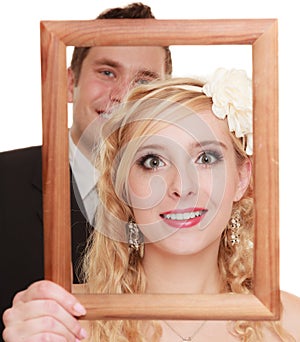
(20, 114)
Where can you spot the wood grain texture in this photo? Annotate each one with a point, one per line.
(158, 32)
(175, 306)
(262, 35)
(55, 161)
(266, 167)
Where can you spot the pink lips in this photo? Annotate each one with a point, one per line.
(184, 218)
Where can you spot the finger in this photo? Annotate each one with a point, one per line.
(47, 337)
(29, 311)
(39, 329)
(48, 290)
(18, 297)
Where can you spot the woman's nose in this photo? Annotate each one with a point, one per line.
(183, 182)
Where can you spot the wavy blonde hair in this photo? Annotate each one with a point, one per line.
(108, 265)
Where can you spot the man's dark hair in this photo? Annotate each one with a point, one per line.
(133, 11)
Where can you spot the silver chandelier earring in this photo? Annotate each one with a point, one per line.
(234, 227)
(135, 239)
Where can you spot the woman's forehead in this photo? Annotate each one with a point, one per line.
(198, 126)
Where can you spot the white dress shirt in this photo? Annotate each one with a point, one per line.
(86, 177)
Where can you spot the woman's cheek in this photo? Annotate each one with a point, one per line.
(146, 192)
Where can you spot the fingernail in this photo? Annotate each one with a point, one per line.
(83, 333)
(80, 310)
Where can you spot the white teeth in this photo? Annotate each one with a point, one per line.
(184, 216)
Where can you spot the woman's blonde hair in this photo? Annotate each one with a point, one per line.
(108, 265)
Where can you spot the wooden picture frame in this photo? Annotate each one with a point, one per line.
(263, 304)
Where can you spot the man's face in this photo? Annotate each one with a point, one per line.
(107, 73)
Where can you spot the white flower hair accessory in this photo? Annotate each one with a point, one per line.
(231, 93)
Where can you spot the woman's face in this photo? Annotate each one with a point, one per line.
(183, 182)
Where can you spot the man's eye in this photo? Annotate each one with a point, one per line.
(145, 79)
(107, 73)
(142, 81)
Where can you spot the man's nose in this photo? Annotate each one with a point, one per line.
(119, 90)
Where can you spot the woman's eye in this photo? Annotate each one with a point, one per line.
(151, 162)
(208, 158)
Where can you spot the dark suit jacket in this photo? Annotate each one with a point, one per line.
(21, 223)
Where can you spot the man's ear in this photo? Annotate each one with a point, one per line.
(71, 85)
(244, 174)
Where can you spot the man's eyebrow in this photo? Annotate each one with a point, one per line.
(107, 61)
(148, 73)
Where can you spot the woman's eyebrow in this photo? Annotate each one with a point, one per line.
(150, 147)
(156, 147)
(217, 143)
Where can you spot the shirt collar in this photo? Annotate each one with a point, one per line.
(86, 175)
